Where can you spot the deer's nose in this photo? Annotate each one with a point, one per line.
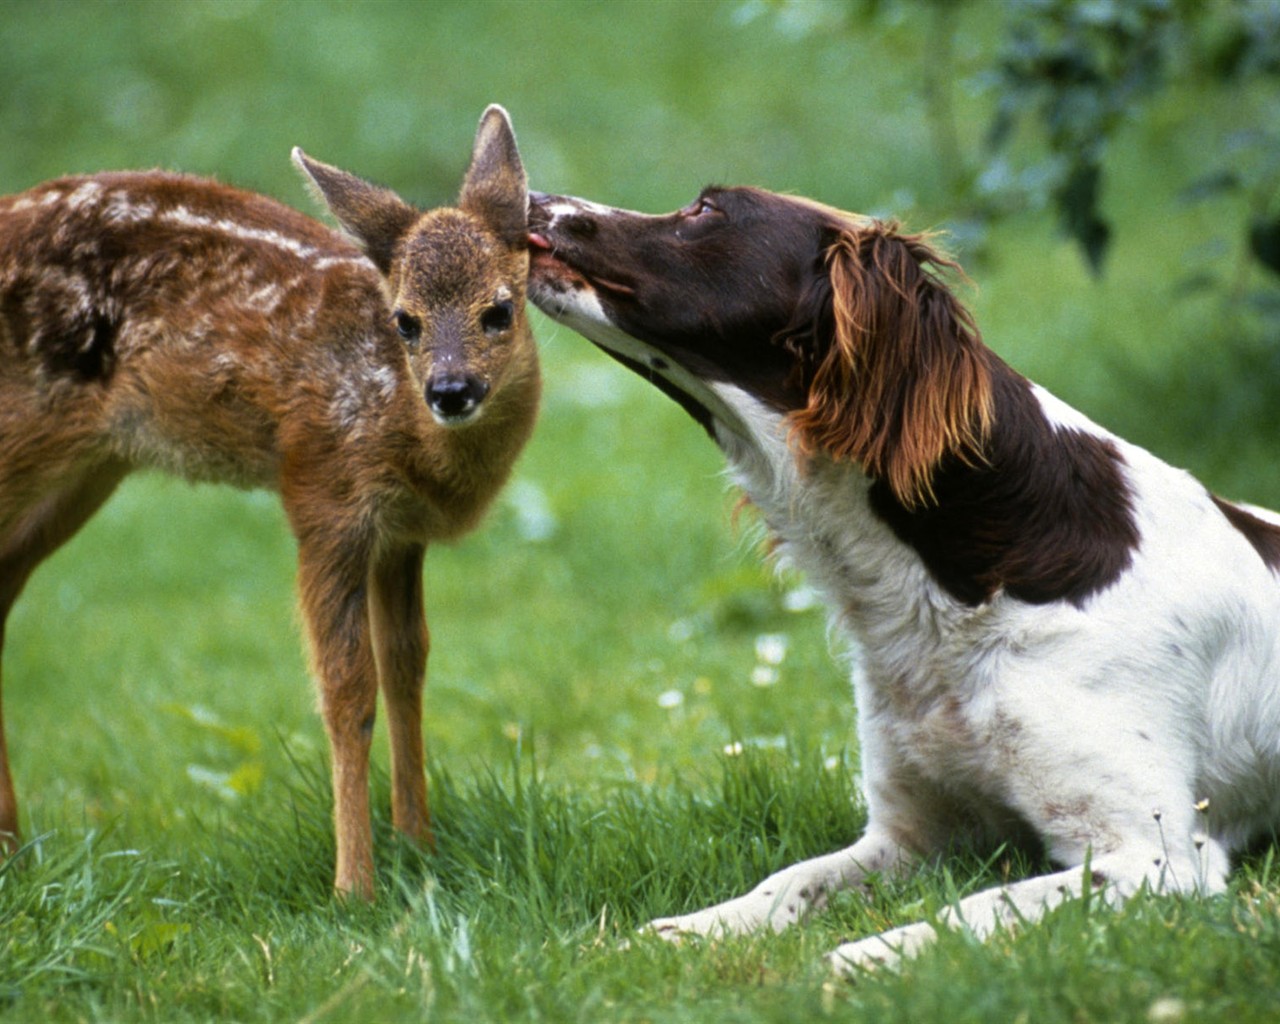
(455, 398)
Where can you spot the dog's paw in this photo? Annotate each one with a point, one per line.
(765, 909)
(881, 952)
(854, 958)
(678, 929)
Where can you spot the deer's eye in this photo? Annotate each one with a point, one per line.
(498, 317)
(409, 326)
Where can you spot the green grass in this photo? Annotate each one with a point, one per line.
(594, 644)
(522, 913)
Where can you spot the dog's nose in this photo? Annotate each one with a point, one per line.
(454, 398)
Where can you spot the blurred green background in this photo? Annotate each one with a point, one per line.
(611, 619)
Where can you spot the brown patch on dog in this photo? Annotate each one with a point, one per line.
(905, 380)
(1045, 516)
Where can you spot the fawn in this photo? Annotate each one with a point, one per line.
(153, 320)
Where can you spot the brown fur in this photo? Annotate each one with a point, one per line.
(155, 320)
(904, 381)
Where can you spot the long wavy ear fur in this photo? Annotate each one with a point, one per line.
(904, 380)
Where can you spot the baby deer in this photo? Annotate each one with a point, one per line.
(151, 320)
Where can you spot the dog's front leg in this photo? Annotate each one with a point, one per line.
(982, 914)
(785, 897)
(1111, 879)
(400, 643)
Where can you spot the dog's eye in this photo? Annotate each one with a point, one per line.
(409, 326)
(698, 218)
(498, 317)
(698, 207)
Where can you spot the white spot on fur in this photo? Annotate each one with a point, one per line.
(186, 218)
(265, 299)
(120, 208)
(361, 393)
(326, 262)
(87, 194)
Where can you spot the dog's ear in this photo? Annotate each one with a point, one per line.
(899, 376)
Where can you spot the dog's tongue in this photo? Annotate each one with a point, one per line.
(538, 241)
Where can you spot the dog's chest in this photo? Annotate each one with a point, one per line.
(875, 587)
(923, 664)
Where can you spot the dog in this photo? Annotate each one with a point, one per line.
(384, 389)
(1060, 638)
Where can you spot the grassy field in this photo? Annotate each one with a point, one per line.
(609, 738)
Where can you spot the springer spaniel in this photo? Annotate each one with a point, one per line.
(1060, 637)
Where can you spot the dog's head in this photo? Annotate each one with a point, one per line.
(839, 324)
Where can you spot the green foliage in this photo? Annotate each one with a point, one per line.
(1079, 70)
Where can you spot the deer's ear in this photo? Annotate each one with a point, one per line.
(495, 188)
(376, 216)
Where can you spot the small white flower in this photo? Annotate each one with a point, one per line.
(771, 648)
(680, 631)
(800, 599)
(764, 675)
(670, 699)
(733, 749)
(1166, 1010)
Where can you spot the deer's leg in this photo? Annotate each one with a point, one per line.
(400, 643)
(9, 836)
(333, 575)
(33, 533)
